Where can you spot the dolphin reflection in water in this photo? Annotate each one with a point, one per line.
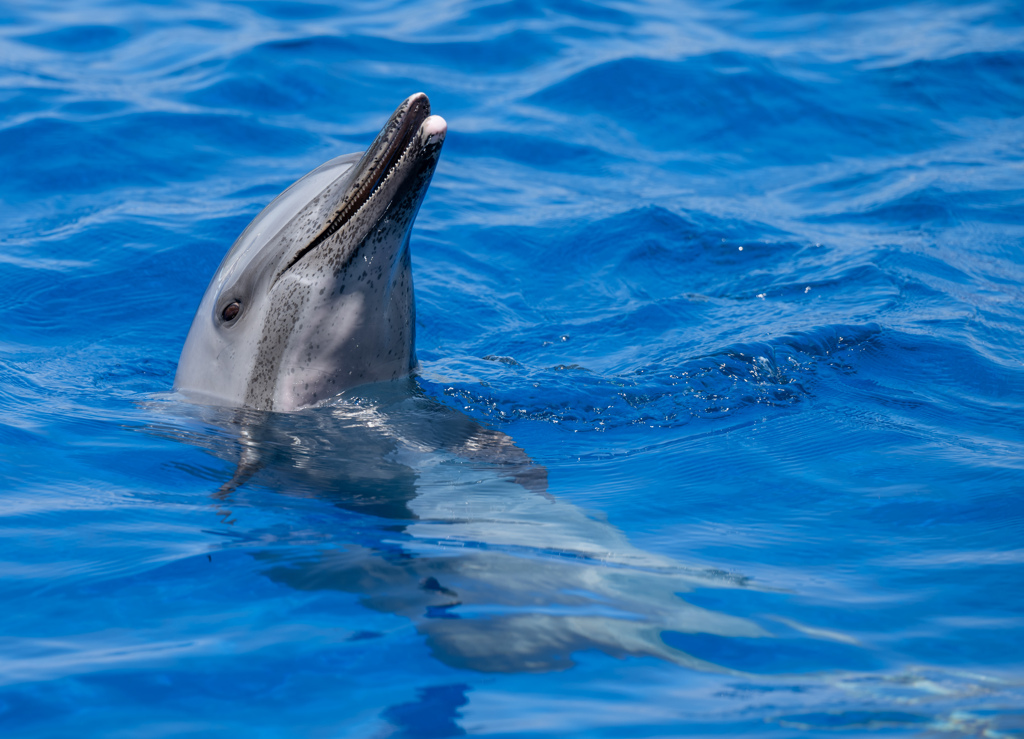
(315, 298)
(461, 535)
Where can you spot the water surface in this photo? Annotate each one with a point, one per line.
(718, 424)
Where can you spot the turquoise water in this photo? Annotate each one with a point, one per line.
(717, 429)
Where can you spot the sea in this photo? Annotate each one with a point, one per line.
(718, 422)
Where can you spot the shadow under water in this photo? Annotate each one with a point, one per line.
(465, 541)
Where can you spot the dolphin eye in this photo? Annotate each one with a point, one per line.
(231, 311)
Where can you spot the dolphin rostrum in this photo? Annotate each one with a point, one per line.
(316, 296)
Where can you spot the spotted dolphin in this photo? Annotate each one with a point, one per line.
(315, 296)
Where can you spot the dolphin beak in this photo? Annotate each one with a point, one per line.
(410, 131)
(390, 144)
(410, 124)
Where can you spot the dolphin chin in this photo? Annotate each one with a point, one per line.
(315, 296)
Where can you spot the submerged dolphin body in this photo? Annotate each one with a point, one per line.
(316, 296)
(444, 523)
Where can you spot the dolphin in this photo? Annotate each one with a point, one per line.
(315, 296)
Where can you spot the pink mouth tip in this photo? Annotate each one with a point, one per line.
(434, 127)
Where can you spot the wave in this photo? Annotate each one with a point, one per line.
(765, 258)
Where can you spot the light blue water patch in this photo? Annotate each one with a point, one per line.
(717, 429)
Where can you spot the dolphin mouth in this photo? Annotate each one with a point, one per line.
(409, 125)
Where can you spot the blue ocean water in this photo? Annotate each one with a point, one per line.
(742, 279)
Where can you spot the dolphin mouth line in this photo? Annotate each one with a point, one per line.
(376, 166)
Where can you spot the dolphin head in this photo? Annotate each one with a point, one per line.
(315, 296)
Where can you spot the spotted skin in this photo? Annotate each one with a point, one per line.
(324, 280)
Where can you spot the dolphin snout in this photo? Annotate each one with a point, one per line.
(434, 128)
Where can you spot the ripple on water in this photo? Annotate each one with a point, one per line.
(717, 425)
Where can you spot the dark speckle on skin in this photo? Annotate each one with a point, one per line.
(313, 294)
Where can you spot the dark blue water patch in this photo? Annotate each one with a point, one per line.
(328, 63)
(930, 206)
(254, 94)
(292, 10)
(143, 375)
(652, 245)
(9, 15)
(80, 39)
(92, 108)
(649, 275)
(849, 185)
(743, 378)
(498, 54)
(65, 157)
(797, 7)
(738, 104)
(771, 611)
(324, 77)
(771, 655)
(18, 102)
(209, 24)
(914, 372)
(40, 308)
(539, 152)
(923, 267)
(990, 206)
(361, 635)
(966, 589)
(844, 11)
(432, 716)
(984, 85)
(519, 10)
(976, 646)
(12, 436)
(621, 263)
(153, 695)
(935, 208)
(846, 720)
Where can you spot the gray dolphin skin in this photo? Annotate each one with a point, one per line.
(315, 297)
